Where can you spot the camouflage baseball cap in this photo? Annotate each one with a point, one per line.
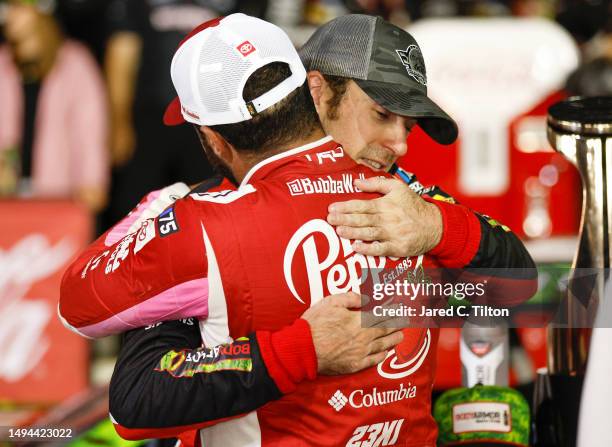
(385, 61)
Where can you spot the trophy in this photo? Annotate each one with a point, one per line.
(581, 130)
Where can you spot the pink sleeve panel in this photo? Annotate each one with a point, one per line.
(120, 230)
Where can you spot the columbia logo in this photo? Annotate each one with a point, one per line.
(338, 401)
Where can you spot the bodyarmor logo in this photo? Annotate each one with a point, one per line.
(337, 273)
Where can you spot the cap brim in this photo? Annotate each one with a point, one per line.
(173, 115)
(406, 101)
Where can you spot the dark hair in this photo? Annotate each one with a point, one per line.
(292, 118)
(338, 87)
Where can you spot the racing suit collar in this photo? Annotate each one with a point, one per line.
(268, 164)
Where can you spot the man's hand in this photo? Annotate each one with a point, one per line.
(341, 344)
(400, 223)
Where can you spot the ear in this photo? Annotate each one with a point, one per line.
(217, 143)
(316, 84)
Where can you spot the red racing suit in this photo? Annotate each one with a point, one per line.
(250, 261)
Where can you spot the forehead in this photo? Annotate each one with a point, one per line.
(356, 93)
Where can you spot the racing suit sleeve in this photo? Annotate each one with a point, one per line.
(497, 257)
(121, 282)
(164, 274)
(479, 246)
(157, 273)
(69, 302)
(165, 383)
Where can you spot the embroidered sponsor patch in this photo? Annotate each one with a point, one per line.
(324, 185)
(167, 223)
(493, 223)
(234, 357)
(412, 59)
(145, 235)
(481, 417)
(245, 48)
(442, 198)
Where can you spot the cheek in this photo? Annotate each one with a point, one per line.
(370, 131)
(346, 132)
(345, 128)
(355, 131)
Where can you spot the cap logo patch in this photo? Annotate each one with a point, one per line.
(412, 59)
(245, 48)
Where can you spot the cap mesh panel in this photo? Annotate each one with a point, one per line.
(341, 47)
(217, 88)
(181, 81)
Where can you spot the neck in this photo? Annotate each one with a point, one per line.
(249, 161)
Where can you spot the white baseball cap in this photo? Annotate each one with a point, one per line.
(213, 63)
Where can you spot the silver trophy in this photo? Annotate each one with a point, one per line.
(581, 130)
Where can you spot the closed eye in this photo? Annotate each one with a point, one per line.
(381, 114)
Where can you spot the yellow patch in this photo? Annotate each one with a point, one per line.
(443, 199)
(495, 223)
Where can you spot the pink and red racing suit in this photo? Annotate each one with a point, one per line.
(253, 259)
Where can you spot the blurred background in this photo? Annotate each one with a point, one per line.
(83, 87)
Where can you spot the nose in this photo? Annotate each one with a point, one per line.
(396, 139)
